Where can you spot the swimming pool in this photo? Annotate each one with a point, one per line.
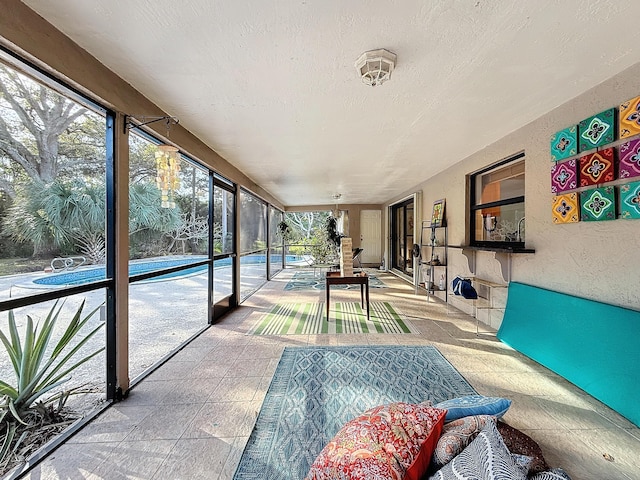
(93, 274)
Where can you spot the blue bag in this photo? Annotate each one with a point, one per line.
(462, 286)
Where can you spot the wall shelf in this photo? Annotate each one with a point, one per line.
(502, 255)
(433, 244)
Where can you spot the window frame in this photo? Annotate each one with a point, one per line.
(474, 207)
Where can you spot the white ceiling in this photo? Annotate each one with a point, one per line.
(271, 85)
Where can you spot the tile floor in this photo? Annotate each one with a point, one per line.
(192, 417)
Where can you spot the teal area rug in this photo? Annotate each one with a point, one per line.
(315, 390)
(309, 280)
(344, 317)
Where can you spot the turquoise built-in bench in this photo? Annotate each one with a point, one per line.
(594, 345)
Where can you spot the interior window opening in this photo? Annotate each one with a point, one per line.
(498, 204)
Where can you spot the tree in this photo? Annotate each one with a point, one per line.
(305, 224)
(40, 130)
(70, 216)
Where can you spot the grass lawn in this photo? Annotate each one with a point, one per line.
(11, 266)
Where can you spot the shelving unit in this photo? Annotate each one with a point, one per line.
(433, 244)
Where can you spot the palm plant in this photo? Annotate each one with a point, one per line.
(39, 368)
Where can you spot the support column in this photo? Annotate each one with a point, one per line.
(122, 255)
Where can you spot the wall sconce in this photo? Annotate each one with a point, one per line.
(167, 160)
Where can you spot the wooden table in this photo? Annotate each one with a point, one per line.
(362, 279)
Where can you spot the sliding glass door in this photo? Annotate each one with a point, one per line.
(402, 227)
(223, 278)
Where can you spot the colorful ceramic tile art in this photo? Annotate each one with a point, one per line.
(564, 176)
(629, 155)
(597, 167)
(565, 208)
(564, 143)
(596, 131)
(629, 118)
(598, 204)
(630, 200)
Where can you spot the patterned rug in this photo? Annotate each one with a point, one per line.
(315, 390)
(309, 280)
(346, 317)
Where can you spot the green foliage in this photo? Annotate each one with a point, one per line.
(26, 417)
(304, 225)
(333, 236)
(37, 367)
(285, 232)
(70, 216)
(321, 249)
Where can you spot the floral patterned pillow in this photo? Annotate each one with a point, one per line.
(456, 436)
(393, 441)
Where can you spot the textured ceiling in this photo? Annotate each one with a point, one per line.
(271, 85)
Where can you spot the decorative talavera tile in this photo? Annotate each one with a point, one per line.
(598, 204)
(597, 167)
(629, 163)
(564, 143)
(596, 131)
(565, 208)
(564, 176)
(629, 118)
(630, 200)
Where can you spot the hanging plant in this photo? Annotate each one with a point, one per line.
(285, 231)
(332, 231)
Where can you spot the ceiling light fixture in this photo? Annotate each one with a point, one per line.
(375, 66)
(336, 212)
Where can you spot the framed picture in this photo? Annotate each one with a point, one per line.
(437, 217)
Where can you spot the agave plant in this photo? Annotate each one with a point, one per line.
(36, 373)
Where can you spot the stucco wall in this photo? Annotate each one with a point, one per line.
(596, 260)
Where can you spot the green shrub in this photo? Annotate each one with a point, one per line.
(38, 369)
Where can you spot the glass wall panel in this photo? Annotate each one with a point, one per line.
(253, 223)
(164, 313)
(165, 233)
(253, 273)
(52, 187)
(275, 240)
(223, 225)
(222, 279)
(253, 243)
(224, 248)
(53, 214)
(88, 380)
(168, 224)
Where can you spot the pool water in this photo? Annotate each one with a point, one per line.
(79, 277)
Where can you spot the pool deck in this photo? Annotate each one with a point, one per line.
(162, 315)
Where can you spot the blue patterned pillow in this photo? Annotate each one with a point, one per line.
(486, 458)
(474, 405)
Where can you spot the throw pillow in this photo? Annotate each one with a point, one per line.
(553, 474)
(518, 442)
(474, 405)
(456, 435)
(486, 458)
(393, 441)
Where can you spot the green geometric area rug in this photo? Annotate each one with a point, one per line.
(308, 280)
(316, 390)
(345, 317)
